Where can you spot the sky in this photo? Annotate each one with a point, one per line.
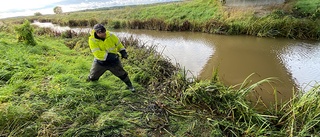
(13, 8)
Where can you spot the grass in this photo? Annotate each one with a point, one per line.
(194, 11)
(303, 115)
(43, 92)
(208, 16)
(308, 8)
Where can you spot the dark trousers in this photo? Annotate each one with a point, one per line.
(97, 71)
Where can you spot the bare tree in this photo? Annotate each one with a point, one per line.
(57, 10)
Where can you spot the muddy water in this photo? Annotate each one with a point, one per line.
(189, 51)
(294, 64)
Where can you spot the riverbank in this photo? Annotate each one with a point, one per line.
(296, 19)
(50, 97)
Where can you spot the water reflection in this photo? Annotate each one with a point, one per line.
(190, 52)
(187, 51)
(58, 28)
(294, 63)
(303, 61)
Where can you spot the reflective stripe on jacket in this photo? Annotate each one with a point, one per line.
(100, 48)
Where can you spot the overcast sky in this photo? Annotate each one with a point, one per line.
(12, 8)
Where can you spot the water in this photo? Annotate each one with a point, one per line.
(303, 62)
(181, 48)
(294, 63)
(60, 29)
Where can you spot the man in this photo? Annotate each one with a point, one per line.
(105, 48)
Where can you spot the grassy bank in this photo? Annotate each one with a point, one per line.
(43, 92)
(307, 8)
(297, 19)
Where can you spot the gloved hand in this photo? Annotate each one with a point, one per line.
(124, 54)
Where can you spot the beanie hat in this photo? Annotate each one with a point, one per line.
(99, 28)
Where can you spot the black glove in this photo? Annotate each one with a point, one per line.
(124, 54)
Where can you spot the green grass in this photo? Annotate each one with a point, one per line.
(43, 92)
(195, 11)
(208, 16)
(308, 8)
(303, 116)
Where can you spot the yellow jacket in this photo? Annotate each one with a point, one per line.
(101, 49)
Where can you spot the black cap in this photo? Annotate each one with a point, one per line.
(99, 28)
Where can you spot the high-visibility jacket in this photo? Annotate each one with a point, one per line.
(101, 49)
